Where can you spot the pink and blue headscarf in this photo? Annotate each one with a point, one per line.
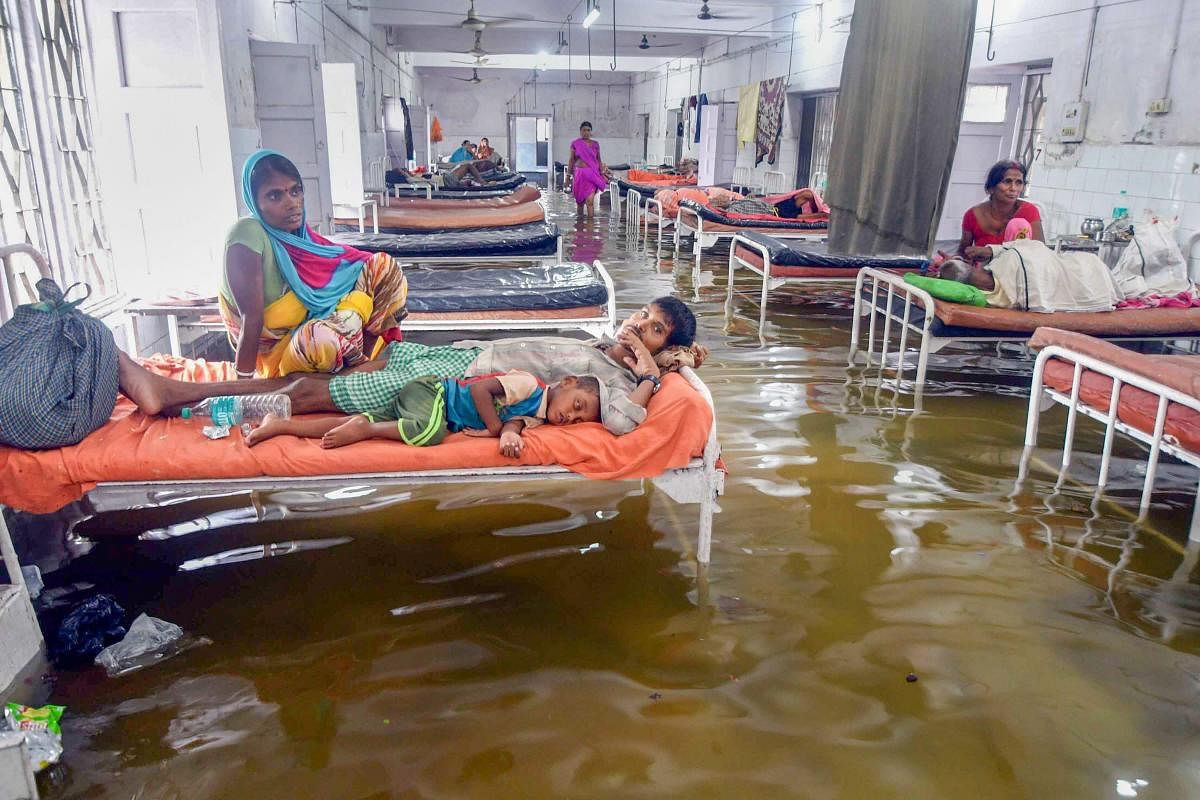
(319, 271)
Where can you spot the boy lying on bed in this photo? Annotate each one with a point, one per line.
(629, 367)
(427, 408)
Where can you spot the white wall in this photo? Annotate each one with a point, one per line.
(1155, 159)
(337, 29)
(469, 111)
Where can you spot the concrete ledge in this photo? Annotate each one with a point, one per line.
(16, 774)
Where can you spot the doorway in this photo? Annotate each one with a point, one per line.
(342, 127)
(817, 112)
(530, 138)
(644, 123)
(677, 121)
(985, 135)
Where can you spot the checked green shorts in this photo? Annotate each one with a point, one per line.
(360, 392)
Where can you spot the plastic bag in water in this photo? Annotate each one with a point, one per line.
(149, 640)
(88, 628)
(43, 736)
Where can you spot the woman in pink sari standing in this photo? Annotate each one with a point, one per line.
(588, 171)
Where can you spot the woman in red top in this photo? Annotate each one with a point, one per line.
(984, 224)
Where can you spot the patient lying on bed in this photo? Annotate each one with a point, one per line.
(428, 408)
(1027, 275)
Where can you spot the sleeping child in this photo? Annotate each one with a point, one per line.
(428, 408)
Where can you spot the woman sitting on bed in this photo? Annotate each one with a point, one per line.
(991, 222)
(291, 300)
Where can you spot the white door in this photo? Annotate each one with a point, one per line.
(709, 137)
(984, 137)
(163, 141)
(345, 143)
(290, 108)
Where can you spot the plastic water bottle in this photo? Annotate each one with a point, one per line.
(227, 411)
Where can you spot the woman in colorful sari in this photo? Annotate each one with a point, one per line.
(588, 171)
(293, 301)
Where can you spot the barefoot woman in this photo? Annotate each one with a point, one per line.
(588, 170)
(292, 301)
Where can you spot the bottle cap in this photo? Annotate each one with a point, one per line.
(186, 413)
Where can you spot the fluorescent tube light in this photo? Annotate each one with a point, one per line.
(592, 15)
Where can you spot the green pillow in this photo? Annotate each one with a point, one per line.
(951, 291)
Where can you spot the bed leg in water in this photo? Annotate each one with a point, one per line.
(1110, 417)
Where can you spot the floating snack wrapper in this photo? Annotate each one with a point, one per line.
(43, 736)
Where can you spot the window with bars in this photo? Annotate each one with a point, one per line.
(50, 196)
(20, 212)
(1031, 135)
(71, 126)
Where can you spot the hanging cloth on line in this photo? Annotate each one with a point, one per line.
(747, 115)
(770, 120)
(703, 101)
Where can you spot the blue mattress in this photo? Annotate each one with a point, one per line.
(534, 239)
(569, 285)
(816, 254)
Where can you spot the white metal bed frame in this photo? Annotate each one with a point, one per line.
(703, 240)
(701, 481)
(769, 281)
(1042, 396)
(593, 326)
(883, 304)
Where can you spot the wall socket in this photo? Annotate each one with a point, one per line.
(1160, 106)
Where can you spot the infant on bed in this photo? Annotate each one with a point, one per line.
(427, 408)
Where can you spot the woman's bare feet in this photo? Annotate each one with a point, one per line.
(272, 425)
(352, 430)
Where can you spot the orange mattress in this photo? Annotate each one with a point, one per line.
(436, 219)
(644, 177)
(134, 447)
(787, 271)
(1136, 407)
(1125, 322)
(522, 194)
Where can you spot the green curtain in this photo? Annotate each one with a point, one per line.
(904, 78)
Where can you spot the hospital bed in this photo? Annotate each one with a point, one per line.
(778, 263)
(538, 242)
(1153, 399)
(886, 301)
(135, 461)
(707, 226)
(535, 297)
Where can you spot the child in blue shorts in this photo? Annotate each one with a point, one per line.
(428, 408)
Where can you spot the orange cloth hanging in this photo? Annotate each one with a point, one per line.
(435, 130)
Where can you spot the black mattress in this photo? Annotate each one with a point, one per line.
(504, 183)
(533, 239)
(715, 215)
(568, 285)
(816, 254)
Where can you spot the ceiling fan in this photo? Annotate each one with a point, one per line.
(706, 14)
(477, 49)
(474, 22)
(475, 79)
(645, 44)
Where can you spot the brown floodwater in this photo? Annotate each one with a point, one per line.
(546, 640)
